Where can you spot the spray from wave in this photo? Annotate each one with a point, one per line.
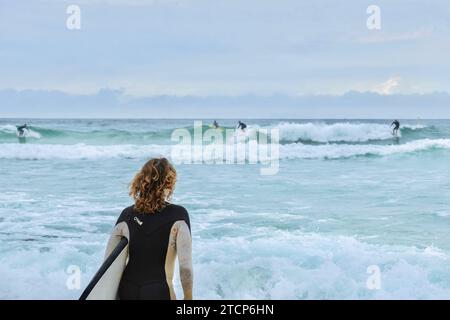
(10, 130)
(339, 132)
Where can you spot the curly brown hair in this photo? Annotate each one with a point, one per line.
(153, 185)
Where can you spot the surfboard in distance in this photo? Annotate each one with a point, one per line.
(105, 283)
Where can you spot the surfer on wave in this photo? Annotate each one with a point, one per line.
(241, 126)
(21, 130)
(396, 125)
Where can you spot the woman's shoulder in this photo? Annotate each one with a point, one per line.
(176, 208)
(126, 214)
(179, 213)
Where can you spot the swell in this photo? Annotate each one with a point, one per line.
(108, 136)
(306, 133)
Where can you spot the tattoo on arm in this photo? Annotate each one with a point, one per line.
(173, 237)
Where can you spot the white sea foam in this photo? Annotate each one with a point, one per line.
(32, 134)
(336, 151)
(295, 265)
(342, 131)
(78, 151)
(11, 129)
(289, 151)
(28, 133)
(280, 265)
(8, 128)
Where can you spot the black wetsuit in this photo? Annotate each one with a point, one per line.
(242, 125)
(21, 129)
(396, 125)
(144, 277)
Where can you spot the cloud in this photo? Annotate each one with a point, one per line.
(386, 87)
(223, 47)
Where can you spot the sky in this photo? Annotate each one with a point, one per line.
(245, 56)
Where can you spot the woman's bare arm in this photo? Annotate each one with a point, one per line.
(119, 231)
(184, 252)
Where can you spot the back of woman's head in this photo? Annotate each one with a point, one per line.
(153, 185)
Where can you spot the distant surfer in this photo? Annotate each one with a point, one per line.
(396, 125)
(216, 124)
(21, 130)
(157, 232)
(241, 126)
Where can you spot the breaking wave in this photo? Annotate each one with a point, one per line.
(289, 151)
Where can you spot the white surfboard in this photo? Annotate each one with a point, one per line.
(105, 284)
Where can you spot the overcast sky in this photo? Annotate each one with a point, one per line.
(224, 48)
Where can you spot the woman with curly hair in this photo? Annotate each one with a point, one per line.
(157, 232)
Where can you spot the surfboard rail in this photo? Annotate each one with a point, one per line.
(104, 267)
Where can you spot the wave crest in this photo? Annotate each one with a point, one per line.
(338, 132)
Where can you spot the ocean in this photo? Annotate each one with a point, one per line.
(348, 198)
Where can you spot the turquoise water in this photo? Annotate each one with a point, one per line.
(347, 196)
